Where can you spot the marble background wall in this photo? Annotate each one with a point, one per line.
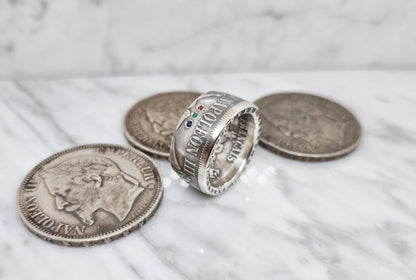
(45, 38)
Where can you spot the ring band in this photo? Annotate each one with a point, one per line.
(214, 140)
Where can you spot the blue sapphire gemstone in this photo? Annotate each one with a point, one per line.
(188, 123)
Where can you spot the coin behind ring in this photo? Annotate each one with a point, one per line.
(90, 194)
(307, 127)
(149, 125)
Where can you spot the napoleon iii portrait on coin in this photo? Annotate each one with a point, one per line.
(83, 185)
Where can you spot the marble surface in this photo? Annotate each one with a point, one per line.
(352, 218)
(46, 38)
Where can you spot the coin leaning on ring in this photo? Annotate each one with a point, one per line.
(90, 194)
(307, 127)
(149, 125)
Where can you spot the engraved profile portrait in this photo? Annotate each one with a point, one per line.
(83, 185)
(308, 123)
(163, 123)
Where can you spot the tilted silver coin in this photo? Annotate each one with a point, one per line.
(90, 194)
(307, 127)
(149, 125)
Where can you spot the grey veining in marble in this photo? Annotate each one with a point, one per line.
(45, 38)
(352, 218)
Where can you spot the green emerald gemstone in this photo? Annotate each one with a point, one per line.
(194, 115)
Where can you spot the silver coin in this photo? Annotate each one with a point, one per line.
(307, 127)
(90, 194)
(149, 125)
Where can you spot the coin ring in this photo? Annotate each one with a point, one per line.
(214, 141)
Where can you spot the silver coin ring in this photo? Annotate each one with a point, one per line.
(214, 140)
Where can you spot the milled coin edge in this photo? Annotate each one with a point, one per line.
(308, 157)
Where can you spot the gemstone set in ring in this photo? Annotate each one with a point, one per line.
(189, 123)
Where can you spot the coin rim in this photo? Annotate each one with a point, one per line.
(133, 140)
(96, 238)
(306, 156)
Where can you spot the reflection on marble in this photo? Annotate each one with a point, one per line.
(45, 38)
(352, 218)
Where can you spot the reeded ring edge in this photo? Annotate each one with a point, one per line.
(237, 111)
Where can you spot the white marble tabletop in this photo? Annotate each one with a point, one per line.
(351, 218)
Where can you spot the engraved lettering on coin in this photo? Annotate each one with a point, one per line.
(149, 125)
(307, 127)
(90, 194)
(231, 146)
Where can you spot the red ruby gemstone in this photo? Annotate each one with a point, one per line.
(200, 107)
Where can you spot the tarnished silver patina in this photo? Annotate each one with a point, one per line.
(307, 127)
(214, 140)
(149, 125)
(90, 194)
